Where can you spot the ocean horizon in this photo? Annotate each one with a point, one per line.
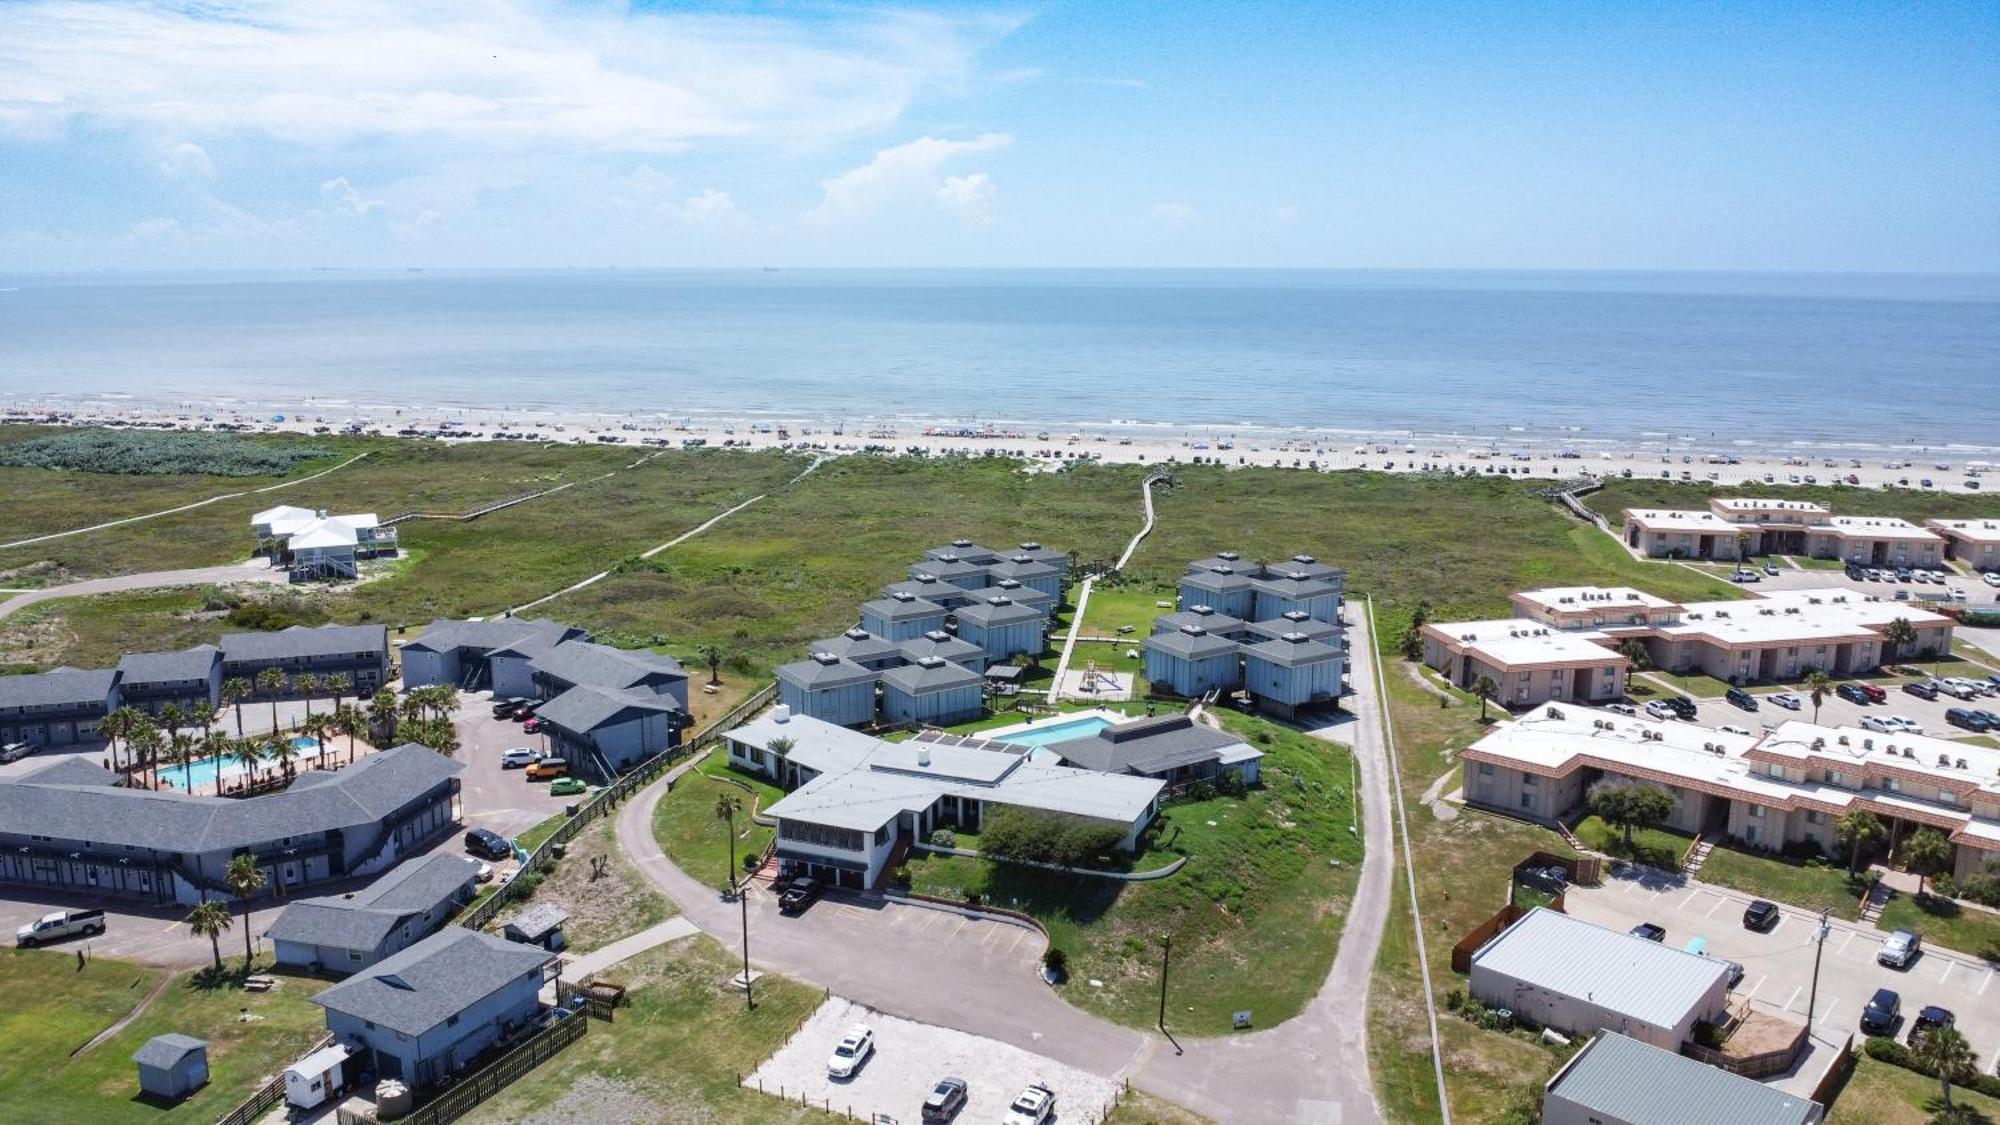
(1574, 356)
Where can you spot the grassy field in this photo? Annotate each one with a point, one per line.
(53, 1009)
(1915, 506)
(1650, 846)
(689, 832)
(606, 897)
(1880, 1094)
(1138, 1108)
(674, 1054)
(1257, 890)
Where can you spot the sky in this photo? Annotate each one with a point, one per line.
(223, 134)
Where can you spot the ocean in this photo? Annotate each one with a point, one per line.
(1866, 360)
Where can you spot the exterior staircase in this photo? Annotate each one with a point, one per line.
(1878, 897)
(1570, 839)
(897, 855)
(1697, 856)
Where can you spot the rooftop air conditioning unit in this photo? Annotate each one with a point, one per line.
(1961, 764)
(1868, 744)
(1944, 761)
(1818, 742)
(1909, 753)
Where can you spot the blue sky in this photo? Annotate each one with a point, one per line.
(292, 133)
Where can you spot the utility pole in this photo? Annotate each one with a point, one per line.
(743, 899)
(1819, 948)
(1166, 961)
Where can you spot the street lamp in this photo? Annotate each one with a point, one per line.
(1166, 961)
(1819, 947)
(743, 900)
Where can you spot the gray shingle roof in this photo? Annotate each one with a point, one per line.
(946, 569)
(1191, 643)
(60, 687)
(360, 796)
(137, 669)
(939, 675)
(586, 707)
(1147, 745)
(1222, 560)
(818, 672)
(1294, 585)
(1013, 590)
(165, 1051)
(930, 588)
(897, 609)
(857, 645)
(299, 641)
(447, 635)
(1216, 581)
(433, 980)
(942, 644)
(1049, 555)
(538, 921)
(587, 662)
(999, 611)
(1627, 1080)
(1022, 568)
(1296, 622)
(1311, 568)
(964, 549)
(1199, 615)
(362, 919)
(1292, 650)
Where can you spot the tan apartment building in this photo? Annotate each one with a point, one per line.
(1976, 543)
(1875, 541)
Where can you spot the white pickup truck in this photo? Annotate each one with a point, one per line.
(59, 925)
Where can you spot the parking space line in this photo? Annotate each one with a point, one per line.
(1844, 941)
(1752, 994)
(1716, 907)
(1828, 1014)
(1787, 1005)
(1946, 975)
(1984, 983)
(1692, 895)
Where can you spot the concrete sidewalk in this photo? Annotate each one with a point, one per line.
(585, 965)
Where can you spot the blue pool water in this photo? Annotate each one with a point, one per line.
(204, 772)
(1043, 734)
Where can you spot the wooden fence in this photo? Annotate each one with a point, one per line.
(608, 798)
(489, 1080)
(267, 1095)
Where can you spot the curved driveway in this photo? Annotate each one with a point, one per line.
(977, 974)
(255, 571)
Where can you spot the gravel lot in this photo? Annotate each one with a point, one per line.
(909, 1059)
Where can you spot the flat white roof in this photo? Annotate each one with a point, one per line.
(1917, 752)
(1679, 519)
(1647, 981)
(1765, 504)
(1683, 750)
(1570, 599)
(1969, 531)
(1878, 527)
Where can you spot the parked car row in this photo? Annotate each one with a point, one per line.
(1034, 1105)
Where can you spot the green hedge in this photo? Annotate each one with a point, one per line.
(1884, 1049)
(141, 452)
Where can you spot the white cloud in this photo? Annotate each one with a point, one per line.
(711, 208)
(344, 197)
(493, 74)
(187, 160)
(1174, 216)
(910, 172)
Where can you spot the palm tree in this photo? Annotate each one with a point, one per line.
(278, 749)
(1857, 830)
(1926, 853)
(172, 717)
(1945, 1053)
(218, 745)
(337, 685)
(269, 683)
(245, 879)
(247, 752)
(119, 724)
(315, 728)
(382, 717)
(235, 690)
(201, 716)
(712, 656)
(180, 752)
(726, 808)
(1820, 685)
(1485, 689)
(1634, 650)
(143, 745)
(348, 721)
(208, 919)
(1899, 634)
(306, 684)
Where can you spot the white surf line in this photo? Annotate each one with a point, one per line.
(173, 511)
(1083, 592)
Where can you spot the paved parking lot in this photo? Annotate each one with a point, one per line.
(1778, 965)
(1836, 712)
(909, 1059)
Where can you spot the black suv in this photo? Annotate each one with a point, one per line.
(1650, 931)
(1884, 1008)
(487, 844)
(798, 896)
(1682, 705)
(1741, 698)
(1760, 916)
(505, 708)
(1929, 1018)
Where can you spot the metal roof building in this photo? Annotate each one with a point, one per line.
(1617, 1080)
(1579, 977)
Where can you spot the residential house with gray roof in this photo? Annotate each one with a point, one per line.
(427, 1012)
(1014, 590)
(57, 707)
(344, 933)
(1030, 572)
(901, 616)
(74, 829)
(151, 680)
(945, 646)
(460, 652)
(933, 691)
(1224, 589)
(953, 570)
(1172, 748)
(1296, 621)
(1003, 627)
(929, 587)
(1293, 672)
(863, 648)
(1189, 661)
(1219, 624)
(359, 651)
(830, 688)
(966, 550)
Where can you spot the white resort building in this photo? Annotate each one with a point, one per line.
(311, 544)
(1738, 527)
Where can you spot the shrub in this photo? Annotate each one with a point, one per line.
(1041, 837)
(1881, 1048)
(140, 453)
(943, 838)
(1055, 961)
(900, 875)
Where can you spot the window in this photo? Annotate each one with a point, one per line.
(1757, 812)
(1893, 785)
(1835, 777)
(1486, 769)
(1814, 816)
(1527, 800)
(1530, 780)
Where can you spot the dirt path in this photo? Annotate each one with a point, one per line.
(125, 1020)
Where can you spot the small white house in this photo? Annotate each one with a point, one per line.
(310, 1081)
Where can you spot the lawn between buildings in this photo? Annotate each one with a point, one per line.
(1256, 913)
(695, 838)
(1879, 1093)
(53, 1008)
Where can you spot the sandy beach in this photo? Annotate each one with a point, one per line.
(1521, 454)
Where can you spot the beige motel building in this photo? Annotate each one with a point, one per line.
(1976, 543)
(1563, 644)
(1739, 527)
(1786, 786)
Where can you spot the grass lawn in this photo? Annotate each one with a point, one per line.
(1139, 1108)
(1807, 562)
(1463, 868)
(1655, 847)
(1943, 922)
(689, 831)
(605, 896)
(1695, 684)
(1880, 1094)
(1258, 889)
(533, 837)
(675, 1053)
(1135, 603)
(54, 1009)
(1810, 886)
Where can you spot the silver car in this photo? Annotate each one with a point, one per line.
(1900, 948)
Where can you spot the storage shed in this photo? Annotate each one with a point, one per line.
(540, 924)
(172, 1066)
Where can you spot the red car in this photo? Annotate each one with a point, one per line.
(1874, 694)
(532, 725)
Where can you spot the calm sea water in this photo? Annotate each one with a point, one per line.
(1829, 359)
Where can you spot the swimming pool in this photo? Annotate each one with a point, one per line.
(1042, 734)
(205, 773)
